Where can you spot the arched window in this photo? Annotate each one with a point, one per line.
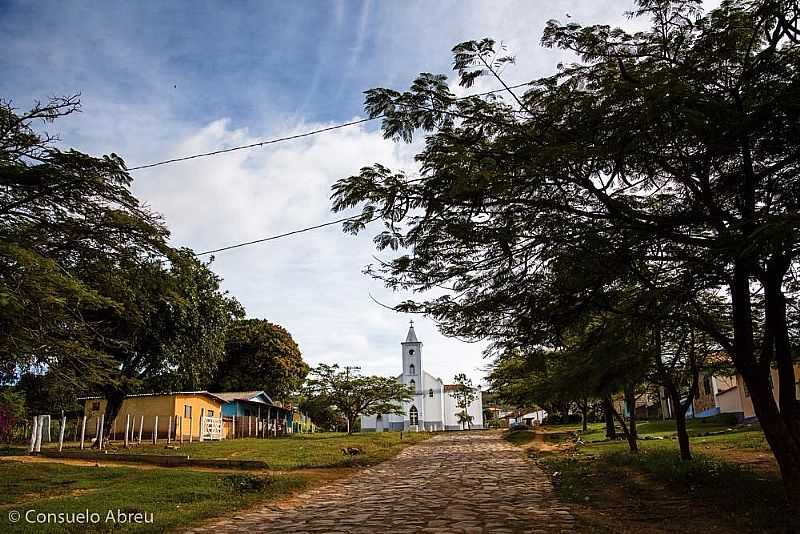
(412, 370)
(413, 385)
(413, 416)
(430, 393)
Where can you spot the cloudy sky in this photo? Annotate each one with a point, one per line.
(166, 79)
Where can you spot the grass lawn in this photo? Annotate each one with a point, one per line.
(299, 450)
(732, 484)
(179, 496)
(174, 496)
(289, 452)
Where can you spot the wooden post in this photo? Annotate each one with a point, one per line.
(97, 430)
(180, 426)
(141, 424)
(169, 430)
(83, 431)
(61, 432)
(233, 426)
(127, 428)
(33, 433)
(155, 431)
(40, 431)
(102, 427)
(191, 428)
(202, 421)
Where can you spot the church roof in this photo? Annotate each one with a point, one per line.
(411, 337)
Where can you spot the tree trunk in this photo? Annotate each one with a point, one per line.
(782, 430)
(113, 404)
(680, 422)
(608, 415)
(632, 443)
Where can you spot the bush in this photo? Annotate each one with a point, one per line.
(247, 483)
(12, 409)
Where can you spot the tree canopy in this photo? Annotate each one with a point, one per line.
(353, 394)
(91, 293)
(260, 355)
(664, 161)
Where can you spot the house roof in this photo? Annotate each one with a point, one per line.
(166, 393)
(249, 396)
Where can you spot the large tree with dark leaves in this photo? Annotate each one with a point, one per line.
(678, 144)
(90, 291)
(260, 355)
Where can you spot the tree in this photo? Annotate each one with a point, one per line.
(678, 143)
(465, 395)
(90, 292)
(260, 355)
(353, 394)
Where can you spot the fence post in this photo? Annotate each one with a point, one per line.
(169, 430)
(102, 430)
(155, 431)
(83, 431)
(141, 425)
(33, 434)
(179, 424)
(61, 432)
(233, 426)
(191, 428)
(202, 421)
(127, 426)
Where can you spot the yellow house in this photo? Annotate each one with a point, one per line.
(177, 414)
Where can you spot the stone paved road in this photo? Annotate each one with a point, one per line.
(455, 482)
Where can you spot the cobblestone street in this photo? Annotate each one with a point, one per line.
(455, 482)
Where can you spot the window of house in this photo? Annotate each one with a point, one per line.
(95, 406)
(746, 391)
(413, 416)
(430, 393)
(210, 413)
(411, 369)
(707, 384)
(187, 411)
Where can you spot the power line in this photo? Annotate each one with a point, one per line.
(279, 236)
(296, 136)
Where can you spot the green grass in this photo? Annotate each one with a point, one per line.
(734, 494)
(174, 496)
(286, 452)
(299, 450)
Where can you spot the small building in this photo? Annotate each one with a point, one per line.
(176, 414)
(744, 394)
(433, 405)
(253, 413)
(707, 403)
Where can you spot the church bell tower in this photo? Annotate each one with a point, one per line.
(412, 359)
(412, 376)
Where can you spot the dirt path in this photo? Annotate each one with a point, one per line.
(455, 482)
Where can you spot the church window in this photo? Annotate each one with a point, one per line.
(411, 352)
(430, 393)
(412, 369)
(413, 416)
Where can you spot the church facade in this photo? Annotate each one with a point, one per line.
(432, 407)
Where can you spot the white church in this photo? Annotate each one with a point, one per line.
(432, 407)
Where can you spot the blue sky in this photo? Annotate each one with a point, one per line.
(165, 79)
